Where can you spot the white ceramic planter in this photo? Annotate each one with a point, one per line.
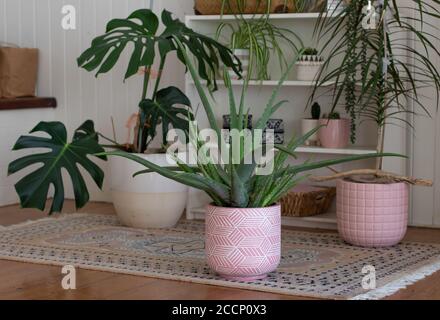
(308, 125)
(149, 200)
(244, 56)
(308, 71)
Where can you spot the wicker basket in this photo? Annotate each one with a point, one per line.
(306, 201)
(213, 7)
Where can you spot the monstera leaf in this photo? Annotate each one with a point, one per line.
(33, 188)
(140, 30)
(168, 108)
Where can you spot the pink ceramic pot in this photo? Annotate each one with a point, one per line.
(335, 134)
(372, 215)
(243, 244)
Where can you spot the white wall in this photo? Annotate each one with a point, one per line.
(37, 23)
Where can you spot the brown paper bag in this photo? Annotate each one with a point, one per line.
(18, 72)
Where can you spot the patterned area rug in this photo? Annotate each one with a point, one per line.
(313, 264)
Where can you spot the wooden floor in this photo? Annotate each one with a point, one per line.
(33, 281)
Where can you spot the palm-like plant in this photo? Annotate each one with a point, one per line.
(379, 73)
(141, 30)
(231, 184)
(262, 39)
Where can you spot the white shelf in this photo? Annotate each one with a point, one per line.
(272, 83)
(232, 17)
(326, 221)
(345, 151)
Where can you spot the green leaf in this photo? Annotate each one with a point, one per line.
(34, 187)
(149, 20)
(135, 60)
(190, 179)
(326, 163)
(140, 29)
(166, 108)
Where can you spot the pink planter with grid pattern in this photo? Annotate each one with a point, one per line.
(243, 244)
(372, 215)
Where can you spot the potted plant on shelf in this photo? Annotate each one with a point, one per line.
(254, 41)
(138, 200)
(310, 124)
(216, 7)
(309, 65)
(244, 191)
(335, 131)
(380, 74)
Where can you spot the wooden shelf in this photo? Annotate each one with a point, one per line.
(280, 16)
(27, 103)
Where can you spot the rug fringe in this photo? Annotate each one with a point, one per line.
(400, 284)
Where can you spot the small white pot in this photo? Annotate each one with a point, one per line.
(148, 200)
(308, 125)
(244, 56)
(308, 71)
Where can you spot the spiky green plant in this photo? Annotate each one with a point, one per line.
(379, 72)
(233, 184)
(263, 39)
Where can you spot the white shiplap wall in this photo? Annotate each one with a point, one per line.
(37, 23)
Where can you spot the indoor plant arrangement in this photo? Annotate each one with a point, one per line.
(309, 65)
(335, 131)
(166, 106)
(380, 76)
(310, 124)
(255, 41)
(243, 198)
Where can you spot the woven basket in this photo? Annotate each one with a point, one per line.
(307, 201)
(213, 7)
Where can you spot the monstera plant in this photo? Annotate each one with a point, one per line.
(140, 31)
(169, 107)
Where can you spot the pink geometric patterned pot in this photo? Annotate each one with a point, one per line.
(372, 215)
(243, 244)
(335, 134)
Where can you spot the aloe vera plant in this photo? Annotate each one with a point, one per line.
(229, 185)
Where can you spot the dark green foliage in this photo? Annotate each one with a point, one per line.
(33, 189)
(369, 91)
(334, 116)
(140, 31)
(316, 111)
